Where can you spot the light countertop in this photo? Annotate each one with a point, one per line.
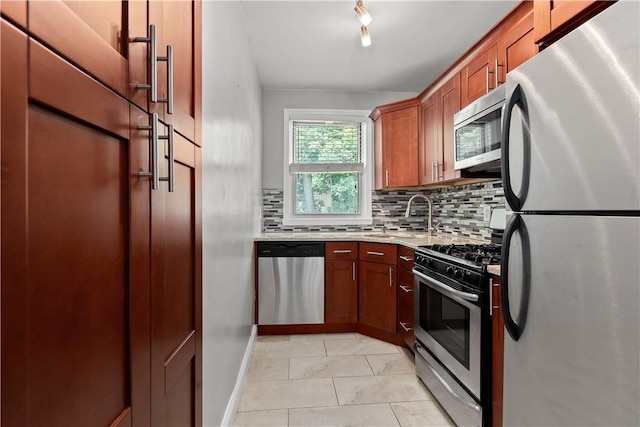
(410, 239)
(493, 269)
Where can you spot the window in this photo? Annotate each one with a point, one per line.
(327, 179)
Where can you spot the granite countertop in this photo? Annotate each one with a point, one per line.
(493, 269)
(410, 239)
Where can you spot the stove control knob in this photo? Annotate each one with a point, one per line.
(450, 271)
(458, 274)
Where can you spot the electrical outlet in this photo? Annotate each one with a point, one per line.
(487, 212)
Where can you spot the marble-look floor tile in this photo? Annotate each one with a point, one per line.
(391, 364)
(268, 369)
(357, 415)
(263, 395)
(378, 389)
(425, 413)
(337, 336)
(358, 346)
(277, 418)
(327, 367)
(283, 349)
(272, 338)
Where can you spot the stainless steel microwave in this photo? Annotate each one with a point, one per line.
(478, 134)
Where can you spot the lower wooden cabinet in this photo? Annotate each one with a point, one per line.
(405, 295)
(341, 282)
(497, 352)
(377, 287)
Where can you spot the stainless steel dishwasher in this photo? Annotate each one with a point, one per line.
(290, 283)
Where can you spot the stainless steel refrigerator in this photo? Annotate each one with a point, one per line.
(571, 248)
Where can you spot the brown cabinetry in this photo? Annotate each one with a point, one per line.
(377, 290)
(479, 75)
(555, 18)
(396, 144)
(341, 282)
(101, 274)
(405, 295)
(497, 352)
(436, 133)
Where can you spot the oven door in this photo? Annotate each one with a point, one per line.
(448, 323)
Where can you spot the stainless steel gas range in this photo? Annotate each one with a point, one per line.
(453, 327)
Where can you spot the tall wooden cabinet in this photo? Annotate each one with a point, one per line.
(101, 274)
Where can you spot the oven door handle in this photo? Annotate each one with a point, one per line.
(447, 289)
(451, 391)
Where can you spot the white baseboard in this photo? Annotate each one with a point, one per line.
(234, 400)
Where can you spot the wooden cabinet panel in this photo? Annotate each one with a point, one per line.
(478, 76)
(89, 36)
(72, 281)
(378, 252)
(405, 257)
(516, 46)
(430, 147)
(405, 325)
(176, 295)
(377, 297)
(497, 352)
(400, 142)
(341, 292)
(449, 105)
(554, 18)
(15, 11)
(335, 251)
(405, 288)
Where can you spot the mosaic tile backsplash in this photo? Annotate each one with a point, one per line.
(456, 210)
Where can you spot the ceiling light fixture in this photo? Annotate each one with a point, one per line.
(365, 37)
(362, 14)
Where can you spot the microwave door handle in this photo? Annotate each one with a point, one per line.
(517, 98)
(515, 328)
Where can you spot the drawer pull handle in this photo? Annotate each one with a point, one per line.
(406, 288)
(375, 253)
(405, 327)
(406, 258)
(342, 251)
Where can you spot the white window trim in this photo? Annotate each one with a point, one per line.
(366, 186)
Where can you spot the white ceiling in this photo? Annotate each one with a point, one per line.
(316, 44)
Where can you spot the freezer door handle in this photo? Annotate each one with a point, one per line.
(517, 98)
(515, 328)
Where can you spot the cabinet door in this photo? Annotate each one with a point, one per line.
(430, 149)
(556, 17)
(400, 147)
(341, 293)
(449, 105)
(176, 338)
(377, 296)
(497, 335)
(478, 76)
(178, 24)
(90, 34)
(75, 271)
(515, 47)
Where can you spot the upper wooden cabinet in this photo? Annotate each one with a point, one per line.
(436, 133)
(555, 18)
(396, 144)
(515, 47)
(106, 39)
(479, 75)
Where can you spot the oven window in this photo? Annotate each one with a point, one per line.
(447, 321)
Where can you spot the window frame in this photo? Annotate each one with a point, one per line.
(289, 218)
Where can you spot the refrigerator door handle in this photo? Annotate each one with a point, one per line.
(515, 328)
(517, 98)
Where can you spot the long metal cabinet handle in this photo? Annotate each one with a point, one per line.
(406, 258)
(450, 390)
(375, 253)
(171, 177)
(498, 82)
(404, 326)
(488, 72)
(353, 270)
(406, 288)
(387, 176)
(390, 276)
(153, 157)
(169, 60)
(490, 297)
(433, 171)
(153, 62)
(342, 251)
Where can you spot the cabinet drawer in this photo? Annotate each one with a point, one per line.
(378, 252)
(405, 287)
(405, 257)
(405, 325)
(336, 251)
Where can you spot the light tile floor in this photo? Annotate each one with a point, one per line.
(334, 380)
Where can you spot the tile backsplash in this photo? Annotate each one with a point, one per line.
(457, 210)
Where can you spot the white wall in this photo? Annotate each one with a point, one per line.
(275, 101)
(231, 160)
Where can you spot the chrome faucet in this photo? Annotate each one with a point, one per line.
(430, 228)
